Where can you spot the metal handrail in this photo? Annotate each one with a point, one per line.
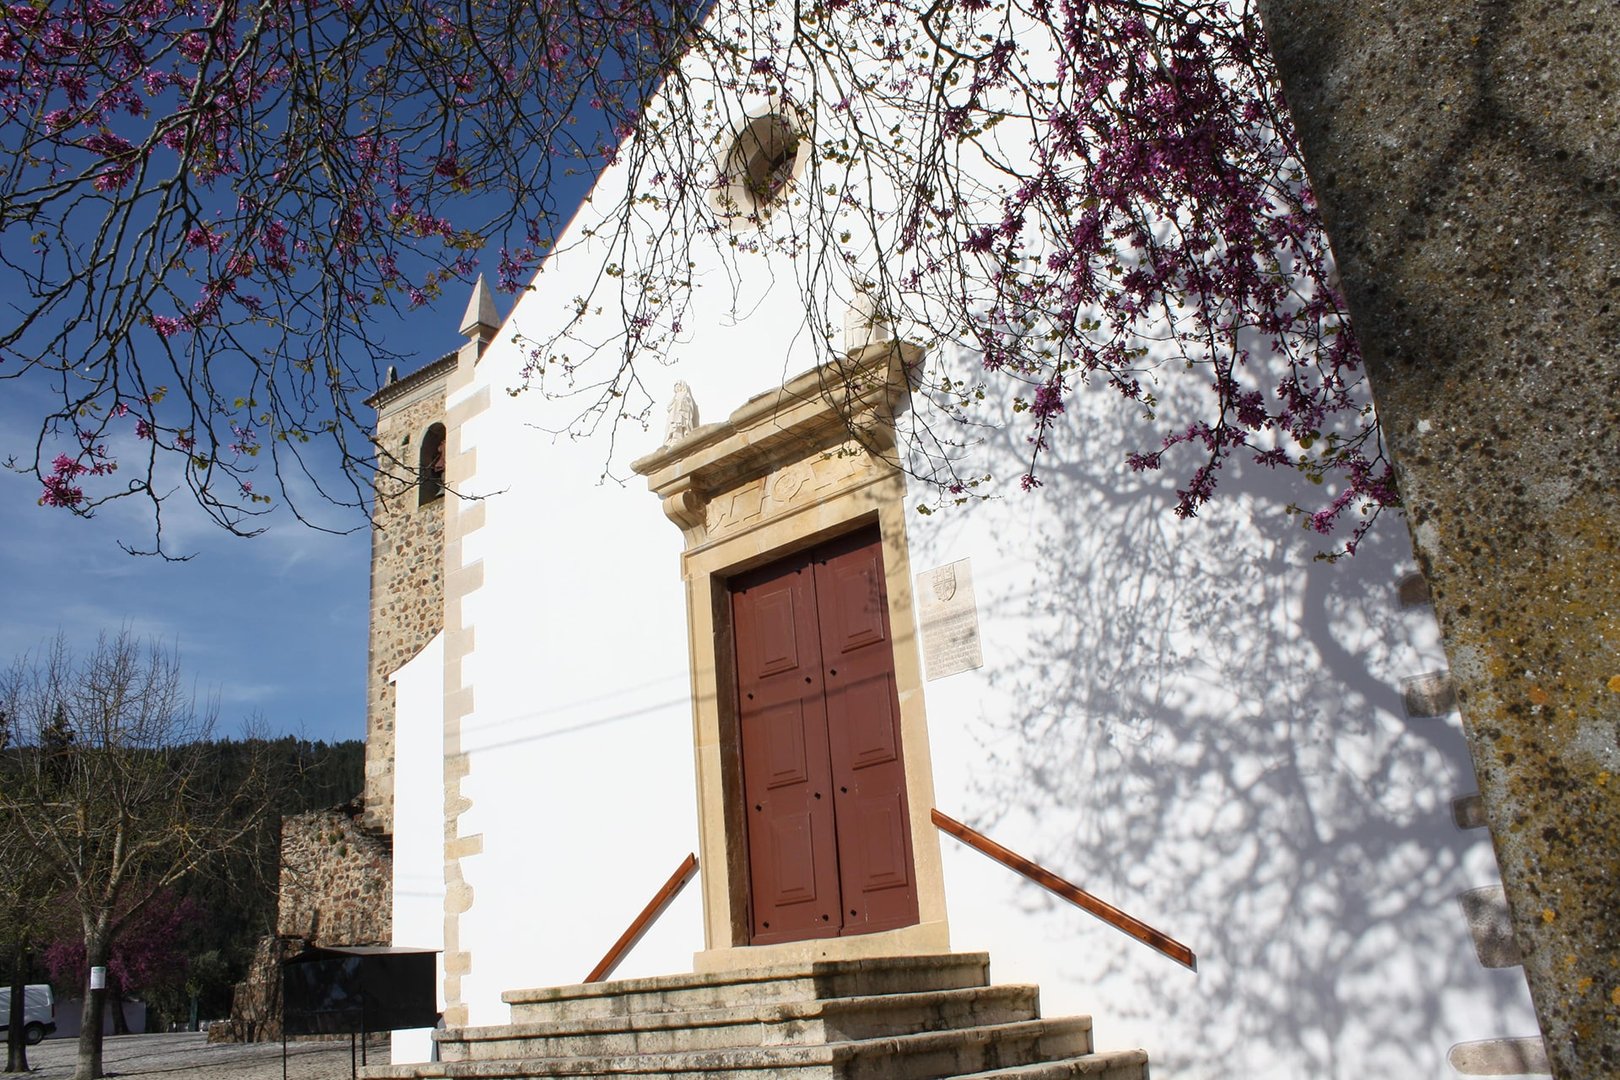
(643, 922)
(1069, 891)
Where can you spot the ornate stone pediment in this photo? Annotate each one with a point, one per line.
(822, 432)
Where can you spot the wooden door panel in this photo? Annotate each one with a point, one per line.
(787, 774)
(863, 728)
(887, 897)
(882, 831)
(874, 739)
(794, 851)
(775, 630)
(781, 734)
(828, 834)
(855, 611)
(793, 875)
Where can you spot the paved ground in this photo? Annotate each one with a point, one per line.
(188, 1055)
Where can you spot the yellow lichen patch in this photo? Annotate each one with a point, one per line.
(1548, 915)
(1614, 683)
(1614, 995)
(1583, 984)
(1603, 778)
(1538, 696)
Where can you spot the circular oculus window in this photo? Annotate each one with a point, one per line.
(763, 159)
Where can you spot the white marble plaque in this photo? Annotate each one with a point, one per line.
(949, 618)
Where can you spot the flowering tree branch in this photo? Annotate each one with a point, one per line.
(214, 202)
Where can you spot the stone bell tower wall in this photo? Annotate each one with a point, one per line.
(407, 562)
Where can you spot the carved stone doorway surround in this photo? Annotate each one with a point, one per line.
(789, 469)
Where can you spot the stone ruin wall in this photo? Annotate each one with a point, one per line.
(335, 881)
(335, 889)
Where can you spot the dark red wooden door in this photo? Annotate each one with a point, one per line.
(863, 725)
(787, 767)
(829, 837)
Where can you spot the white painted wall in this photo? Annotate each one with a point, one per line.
(581, 780)
(1202, 725)
(419, 821)
(1194, 720)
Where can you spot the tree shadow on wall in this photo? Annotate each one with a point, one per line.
(1206, 723)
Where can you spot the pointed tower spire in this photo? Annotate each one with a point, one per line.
(481, 322)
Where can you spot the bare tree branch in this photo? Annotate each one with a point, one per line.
(108, 784)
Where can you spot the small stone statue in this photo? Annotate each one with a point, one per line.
(864, 323)
(683, 415)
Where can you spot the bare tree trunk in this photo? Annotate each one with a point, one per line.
(1467, 176)
(96, 948)
(17, 1036)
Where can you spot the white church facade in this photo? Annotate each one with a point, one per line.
(746, 639)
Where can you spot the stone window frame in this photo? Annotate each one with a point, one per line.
(751, 182)
(430, 473)
(789, 469)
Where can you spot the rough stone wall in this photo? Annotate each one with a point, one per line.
(407, 568)
(335, 889)
(256, 1003)
(335, 881)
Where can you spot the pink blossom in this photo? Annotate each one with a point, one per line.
(167, 326)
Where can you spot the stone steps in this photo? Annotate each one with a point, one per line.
(792, 982)
(773, 1024)
(902, 1018)
(902, 1057)
(1104, 1064)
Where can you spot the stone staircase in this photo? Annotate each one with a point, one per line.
(898, 1018)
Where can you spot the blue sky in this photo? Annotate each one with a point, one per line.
(273, 626)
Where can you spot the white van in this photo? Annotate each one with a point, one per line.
(39, 1012)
